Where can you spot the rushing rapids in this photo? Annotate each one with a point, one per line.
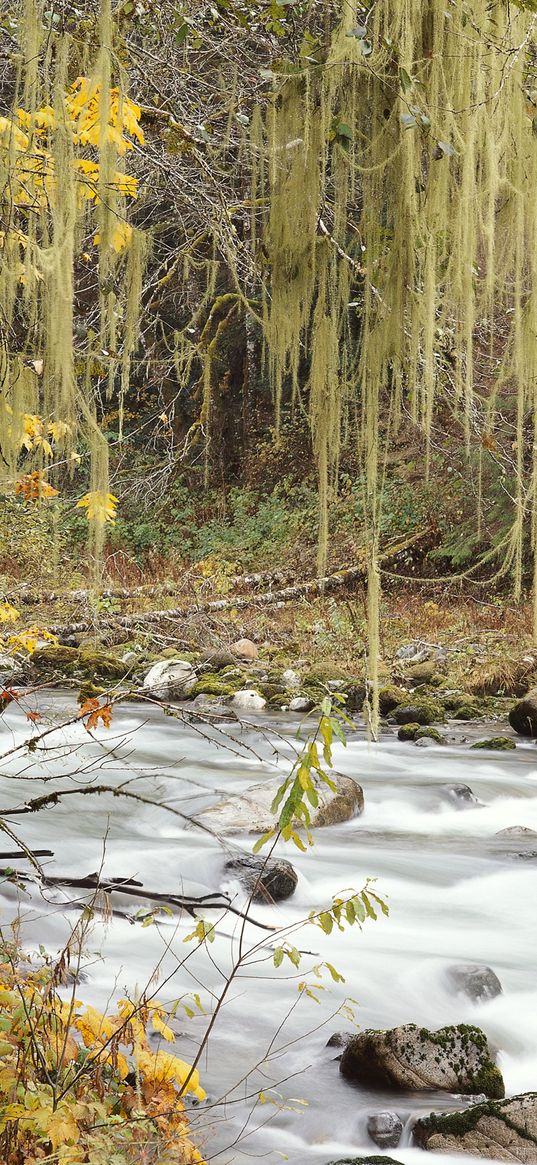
(458, 893)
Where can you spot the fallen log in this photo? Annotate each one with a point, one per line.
(340, 578)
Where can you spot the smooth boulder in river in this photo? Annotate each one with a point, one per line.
(385, 1129)
(170, 678)
(251, 812)
(270, 880)
(454, 1059)
(503, 1130)
(477, 982)
(523, 717)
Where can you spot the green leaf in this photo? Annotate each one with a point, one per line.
(335, 974)
(278, 956)
(326, 921)
(261, 841)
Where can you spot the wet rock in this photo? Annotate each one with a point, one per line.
(11, 671)
(477, 982)
(516, 831)
(291, 679)
(244, 649)
(373, 1159)
(339, 1039)
(271, 880)
(211, 707)
(385, 1129)
(523, 717)
(454, 1059)
(429, 733)
(425, 742)
(248, 700)
(301, 704)
(504, 1130)
(424, 712)
(496, 744)
(252, 813)
(461, 795)
(170, 679)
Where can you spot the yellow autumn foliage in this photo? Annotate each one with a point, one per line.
(66, 1091)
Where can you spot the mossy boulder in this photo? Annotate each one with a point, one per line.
(453, 1059)
(500, 1130)
(523, 716)
(317, 680)
(102, 665)
(421, 712)
(496, 744)
(391, 697)
(372, 1159)
(429, 733)
(214, 685)
(424, 673)
(408, 731)
(56, 660)
(469, 711)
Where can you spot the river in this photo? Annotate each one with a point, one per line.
(456, 894)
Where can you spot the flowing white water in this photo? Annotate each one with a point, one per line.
(456, 894)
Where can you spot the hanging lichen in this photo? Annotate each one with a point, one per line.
(409, 154)
(65, 190)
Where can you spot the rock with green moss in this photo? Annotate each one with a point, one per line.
(496, 743)
(102, 665)
(501, 1130)
(408, 731)
(56, 660)
(424, 673)
(454, 1059)
(421, 712)
(469, 711)
(372, 1159)
(429, 733)
(391, 697)
(215, 685)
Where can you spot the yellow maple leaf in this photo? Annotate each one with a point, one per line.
(100, 507)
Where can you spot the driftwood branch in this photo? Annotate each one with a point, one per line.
(132, 888)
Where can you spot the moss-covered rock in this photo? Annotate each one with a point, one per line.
(421, 712)
(391, 697)
(101, 665)
(215, 685)
(469, 711)
(455, 1059)
(408, 731)
(429, 733)
(372, 1159)
(56, 660)
(496, 743)
(424, 673)
(503, 1130)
